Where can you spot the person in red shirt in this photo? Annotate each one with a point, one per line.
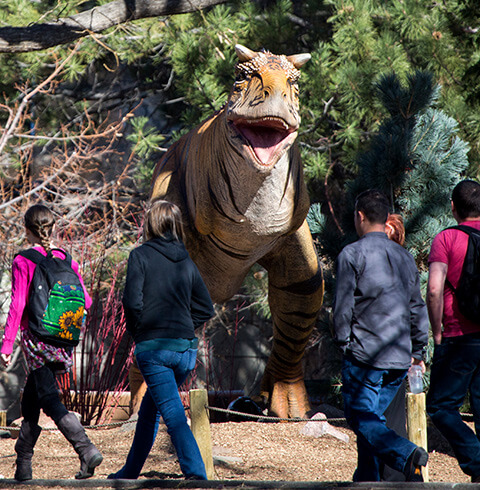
(455, 370)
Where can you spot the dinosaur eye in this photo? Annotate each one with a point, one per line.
(241, 77)
(294, 87)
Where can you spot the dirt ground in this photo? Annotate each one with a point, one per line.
(242, 451)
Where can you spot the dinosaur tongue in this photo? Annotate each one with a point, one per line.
(265, 141)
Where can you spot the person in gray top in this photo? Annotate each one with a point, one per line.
(381, 325)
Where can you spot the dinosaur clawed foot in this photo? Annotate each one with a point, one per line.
(287, 399)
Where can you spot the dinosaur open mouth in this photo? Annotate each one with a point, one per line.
(267, 137)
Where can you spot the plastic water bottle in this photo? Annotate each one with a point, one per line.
(415, 379)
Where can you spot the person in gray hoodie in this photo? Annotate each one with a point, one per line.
(381, 325)
(165, 300)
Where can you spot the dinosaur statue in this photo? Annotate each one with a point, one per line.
(238, 180)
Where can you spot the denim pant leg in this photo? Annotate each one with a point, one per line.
(396, 419)
(475, 401)
(367, 393)
(369, 466)
(454, 373)
(145, 434)
(163, 372)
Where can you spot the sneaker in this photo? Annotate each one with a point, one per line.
(413, 467)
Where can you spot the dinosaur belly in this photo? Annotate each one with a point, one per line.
(234, 246)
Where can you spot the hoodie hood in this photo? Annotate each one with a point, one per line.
(168, 246)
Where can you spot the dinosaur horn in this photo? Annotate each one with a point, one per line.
(244, 54)
(298, 60)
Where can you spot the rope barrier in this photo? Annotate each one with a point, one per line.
(260, 418)
(93, 427)
(265, 418)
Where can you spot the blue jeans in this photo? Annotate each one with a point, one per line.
(455, 371)
(164, 371)
(367, 392)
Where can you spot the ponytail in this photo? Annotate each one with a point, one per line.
(40, 220)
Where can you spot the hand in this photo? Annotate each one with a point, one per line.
(6, 359)
(419, 362)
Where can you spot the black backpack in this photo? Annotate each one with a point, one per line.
(56, 301)
(468, 289)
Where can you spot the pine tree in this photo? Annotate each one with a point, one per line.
(416, 159)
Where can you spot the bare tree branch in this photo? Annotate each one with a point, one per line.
(69, 176)
(40, 186)
(14, 118)
(41, 36)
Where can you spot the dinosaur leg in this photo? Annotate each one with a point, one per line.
(295, 298)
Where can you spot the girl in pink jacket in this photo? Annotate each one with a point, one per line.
(43, 360)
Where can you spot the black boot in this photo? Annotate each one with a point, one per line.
(74, 432)
(26, 441)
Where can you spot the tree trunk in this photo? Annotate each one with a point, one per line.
(41, 36)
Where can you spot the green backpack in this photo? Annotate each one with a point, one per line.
(56, 301)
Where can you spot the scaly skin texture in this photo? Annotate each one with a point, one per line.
(238, 180)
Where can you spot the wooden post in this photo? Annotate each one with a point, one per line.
(201, 427)
(3, 418)
(417, 423)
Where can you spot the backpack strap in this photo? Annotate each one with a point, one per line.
(33, 255)
(36, 257)
(469, 230)
(68, 257)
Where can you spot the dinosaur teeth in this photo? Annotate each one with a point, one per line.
(266, 122)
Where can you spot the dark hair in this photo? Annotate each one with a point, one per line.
(163, 217)
(466, 199)
(40, 220)
(374, 204)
